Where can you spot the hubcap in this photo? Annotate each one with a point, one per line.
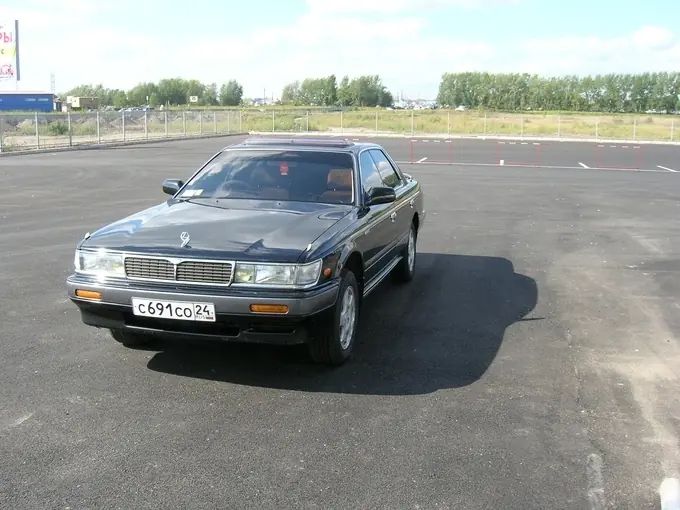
(347, 317)
(411, 251)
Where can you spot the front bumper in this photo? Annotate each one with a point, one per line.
(234, 321)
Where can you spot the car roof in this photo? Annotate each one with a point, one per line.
(303, 143)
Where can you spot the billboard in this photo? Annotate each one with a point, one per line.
(9, 50)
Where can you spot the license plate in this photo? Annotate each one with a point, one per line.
(180, 310)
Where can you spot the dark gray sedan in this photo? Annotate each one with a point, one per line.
(272, 240)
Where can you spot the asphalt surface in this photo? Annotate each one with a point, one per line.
(532, 363)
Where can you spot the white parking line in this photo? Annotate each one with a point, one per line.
(669, 493)
(525, 143)
(502, 162)
(666, 168)
(421, 160)
(583, 165)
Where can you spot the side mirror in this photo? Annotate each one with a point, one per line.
(172, 186)
(382, 195)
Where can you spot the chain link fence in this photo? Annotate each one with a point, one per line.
(25, 131)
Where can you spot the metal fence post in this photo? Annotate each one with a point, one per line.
(200, 123)
(273, 121)
(448, 122)
(184, 122)
(307, 125)
(484, 123)
(228, 121)
(122, 116)
(521, 126)
(240, 121)
(672, 128)
(99, 136)
(165, 122)
(37, 132)
(634, 129)
(597, 129)
(376, 122)
(412, 122)
(146, 125)
(559, 126)
(342, 127)
(214, 121)
(70, 132)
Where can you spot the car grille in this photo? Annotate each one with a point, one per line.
(204, 272)
(186, 271)
(153, 269)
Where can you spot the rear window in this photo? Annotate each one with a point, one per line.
(302, 176)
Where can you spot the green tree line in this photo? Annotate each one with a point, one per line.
(360, 91)
(171, 91)
(602, 93)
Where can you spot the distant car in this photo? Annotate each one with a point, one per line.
(274, 241)
(461, 108)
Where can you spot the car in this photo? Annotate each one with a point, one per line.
(272, 240)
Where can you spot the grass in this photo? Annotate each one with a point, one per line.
(18, 130)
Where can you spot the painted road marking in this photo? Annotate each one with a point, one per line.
(421, 160)
(530, 165)
(666, 168)
(525, 143)
(595, 482)
(536, 143)
(600, 145)
(502, 143)
(669, 492)
(436, 141)
(583, 165)
(447, 141)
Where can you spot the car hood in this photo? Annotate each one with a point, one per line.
(232, 229)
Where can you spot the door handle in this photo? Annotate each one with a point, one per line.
(393, 216)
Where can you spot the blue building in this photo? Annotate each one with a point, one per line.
(26, 101)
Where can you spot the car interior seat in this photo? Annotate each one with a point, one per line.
(338, 186)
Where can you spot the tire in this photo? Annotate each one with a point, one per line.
(131, 339)
(406, 269)
(331, 343)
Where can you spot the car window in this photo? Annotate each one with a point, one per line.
(370, 177)
(302, 176)
(388, 174)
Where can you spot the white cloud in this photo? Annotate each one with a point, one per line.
(653, 37)
(330, 37)
(647, 49)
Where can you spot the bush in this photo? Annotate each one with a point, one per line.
(57, 128)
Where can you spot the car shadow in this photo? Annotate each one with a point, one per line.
(442, 330)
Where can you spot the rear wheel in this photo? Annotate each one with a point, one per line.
(333, 339)
(406, 268)
(129, 339)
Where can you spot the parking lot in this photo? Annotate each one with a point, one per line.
(532, 363)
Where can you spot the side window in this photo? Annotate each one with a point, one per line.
(370, 177)
(387, 173)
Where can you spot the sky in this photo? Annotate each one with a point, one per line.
(267, 44)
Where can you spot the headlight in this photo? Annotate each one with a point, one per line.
(283, 275)
(99, 263)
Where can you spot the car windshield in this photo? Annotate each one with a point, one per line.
(297, 175)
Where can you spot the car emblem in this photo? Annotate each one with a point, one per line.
(185, 237)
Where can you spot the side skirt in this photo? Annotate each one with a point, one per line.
(381, 275)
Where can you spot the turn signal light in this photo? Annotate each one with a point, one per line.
(280, 309)
(89, 294)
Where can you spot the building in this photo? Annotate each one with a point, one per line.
(26, 101)
(80, 103)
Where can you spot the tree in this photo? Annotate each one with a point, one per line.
(231, 93)
(291, 93)
(143, 94)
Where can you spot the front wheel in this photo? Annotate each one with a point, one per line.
(333, 339)
(406, 268)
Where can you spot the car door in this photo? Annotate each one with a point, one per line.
(376, 235)
(400, 214)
